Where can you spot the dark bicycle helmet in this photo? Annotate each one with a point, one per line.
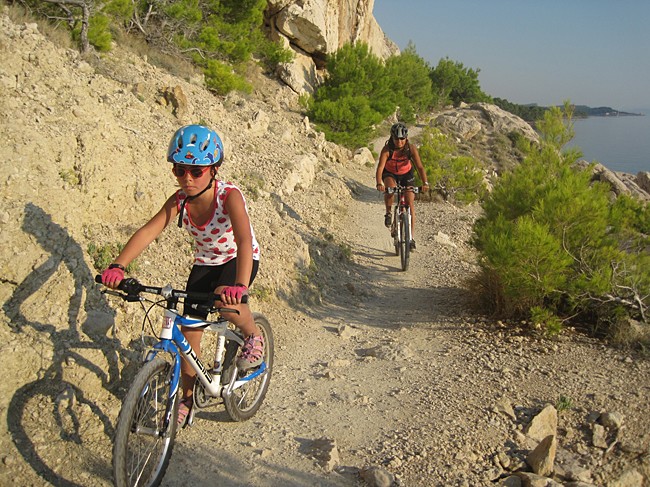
(195, 145)
(399, 131)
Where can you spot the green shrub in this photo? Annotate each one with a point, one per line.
(519, 142)
(564, 403)
(355, 96)
(542, 318)
(70, 176)
(457, 177)
(222, 78)
(552, 244)
(452, 83)
(99, 34)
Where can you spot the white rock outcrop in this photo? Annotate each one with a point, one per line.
(315, 28)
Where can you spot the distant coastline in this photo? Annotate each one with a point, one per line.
(583, 111)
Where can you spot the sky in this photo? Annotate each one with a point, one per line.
(591, 52)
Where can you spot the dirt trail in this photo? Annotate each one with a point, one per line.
(398, 374)
(356, 386)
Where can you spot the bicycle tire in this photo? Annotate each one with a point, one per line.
(140, 456)
(245, 401)
(395, 232)
(405, 239)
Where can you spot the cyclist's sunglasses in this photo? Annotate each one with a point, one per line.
(196, 171)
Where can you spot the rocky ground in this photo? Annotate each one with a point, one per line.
(380, 376)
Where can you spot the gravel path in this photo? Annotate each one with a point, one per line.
(395, 372)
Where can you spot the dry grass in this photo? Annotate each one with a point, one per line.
(175, 64)
(57, 32)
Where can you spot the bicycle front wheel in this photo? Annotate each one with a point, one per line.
(146, 428)
(243, 402)
(405, 240)
(395, 232)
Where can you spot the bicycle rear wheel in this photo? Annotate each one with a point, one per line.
(243, 402)
(146, 428)
(405, 238)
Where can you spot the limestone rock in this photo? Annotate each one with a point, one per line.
(543, 424)
(542, 458)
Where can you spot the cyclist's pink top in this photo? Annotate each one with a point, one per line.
(399, 163)
(215, 242)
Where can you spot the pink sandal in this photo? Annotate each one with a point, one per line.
(184, 411)
(252, 353)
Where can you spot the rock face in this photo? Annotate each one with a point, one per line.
(315, 28)
(467, 121)
(619, 183)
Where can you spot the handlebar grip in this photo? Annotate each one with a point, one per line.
(128, 285)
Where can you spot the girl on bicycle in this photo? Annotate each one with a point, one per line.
(396, 166)
(226, 253)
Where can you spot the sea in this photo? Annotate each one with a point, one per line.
(619, 143)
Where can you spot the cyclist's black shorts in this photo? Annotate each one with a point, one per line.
(206, 278)
(405, 180)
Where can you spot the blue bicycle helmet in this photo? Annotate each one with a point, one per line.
(399, 131)
(195, 145)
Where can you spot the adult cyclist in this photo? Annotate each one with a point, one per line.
(396, 161)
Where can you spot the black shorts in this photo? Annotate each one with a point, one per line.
(405, 180)
(206, 278)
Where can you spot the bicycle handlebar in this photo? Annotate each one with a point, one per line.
(397, 189)
(132, 288)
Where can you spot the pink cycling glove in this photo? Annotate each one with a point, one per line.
(112, 277)
(234, 292)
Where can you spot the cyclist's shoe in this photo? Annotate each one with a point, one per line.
(412, 245)
(252, 353)
(387, 220)
(185, 412)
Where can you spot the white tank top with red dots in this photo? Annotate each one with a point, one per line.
(214, 242)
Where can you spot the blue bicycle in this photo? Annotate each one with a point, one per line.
(146, 427)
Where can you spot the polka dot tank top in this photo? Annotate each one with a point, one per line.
(214, 243)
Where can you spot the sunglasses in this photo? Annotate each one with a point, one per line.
(195, 172)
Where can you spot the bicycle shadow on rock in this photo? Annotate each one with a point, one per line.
(226, 469)
(56, 422)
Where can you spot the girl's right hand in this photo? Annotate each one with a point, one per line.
(233, 294)
(112, 277)
(380, 187)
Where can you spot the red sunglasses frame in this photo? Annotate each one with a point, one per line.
(195, 171)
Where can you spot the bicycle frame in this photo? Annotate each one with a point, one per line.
(401, 227)
(401, 204)
(173, 342)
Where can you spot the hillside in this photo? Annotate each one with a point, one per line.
(379, 374)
